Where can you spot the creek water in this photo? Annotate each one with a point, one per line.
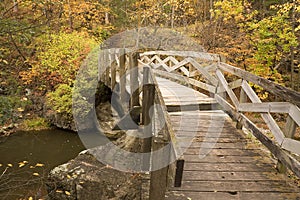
(27, 157)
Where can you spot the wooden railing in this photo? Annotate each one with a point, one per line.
(118, 68)
(205, 72)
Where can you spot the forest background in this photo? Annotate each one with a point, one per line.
(43, 43)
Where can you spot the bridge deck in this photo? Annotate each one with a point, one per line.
(219, 162)
(178, 97)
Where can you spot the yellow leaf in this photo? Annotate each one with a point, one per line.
(39, 165)
(10, 165)
(68, 176)
(67, 193)
(0, 165)
(21, 164)
(35, 174)
(30, 198)
(31, 167)
(59, 191)
(20, 109)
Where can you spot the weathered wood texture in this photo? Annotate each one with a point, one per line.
(276, 89)
(242, 171)
(234, 171)
(148, 101)
(219, 162)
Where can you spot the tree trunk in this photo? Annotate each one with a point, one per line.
(172, 17)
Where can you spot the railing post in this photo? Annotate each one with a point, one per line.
(147, 105)
(122, 74)
(243, 99)
(289, 132)
(113, 71)
(290, 127)
(159, 177)
(134, 82)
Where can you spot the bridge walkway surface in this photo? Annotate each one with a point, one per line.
(221, 162)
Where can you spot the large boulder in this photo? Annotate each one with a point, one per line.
(85, 178)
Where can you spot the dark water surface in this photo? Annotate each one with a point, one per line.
(32, 155)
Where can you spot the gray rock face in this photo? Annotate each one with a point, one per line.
(85, 178)
(151, 38)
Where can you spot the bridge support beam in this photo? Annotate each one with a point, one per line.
(147, 111)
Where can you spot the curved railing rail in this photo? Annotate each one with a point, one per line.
(206, 71)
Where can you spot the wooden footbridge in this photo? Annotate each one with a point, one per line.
(194, 106)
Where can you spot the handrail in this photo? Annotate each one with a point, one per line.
(113, 69)
(205, 73)
(279, 90)
(171, 174)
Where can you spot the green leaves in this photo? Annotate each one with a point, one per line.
(58, 58)
(273, 37)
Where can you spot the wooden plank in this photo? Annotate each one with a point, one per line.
(200, 55)
(226, 106)
(172, 137)
(287, 159)
(222, 152)
(243, 99)
(231, 176)
(202, 85)
(284, 157)
(288, 94)
(276, 131)
(171, 76)
(229, 91)
(134, 82)
(179, 65)
(295, 114)
(243, 96)
(206, 74)
(224, 186)
(266, 107)
(219, 159)
(211, 67)
(290, 127)
(291, 145)
(232, 195)
(159, 64)
(113, 71)
(213, 145)
(158, 178)
(232, 85)
(148, 102)
(122, 74)
(201, 168)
